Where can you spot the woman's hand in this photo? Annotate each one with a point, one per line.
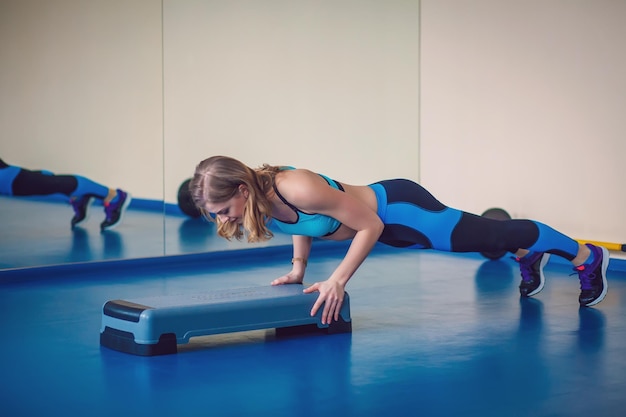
(331, 295)
(292, 277)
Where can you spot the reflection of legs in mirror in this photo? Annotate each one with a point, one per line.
(18, 181)
(114, 210)
(81, 208)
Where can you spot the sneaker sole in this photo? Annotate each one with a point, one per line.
(605, 284)
(542, 278)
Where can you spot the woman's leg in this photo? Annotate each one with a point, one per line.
(81, 190)
(415, 218)
(28, 183)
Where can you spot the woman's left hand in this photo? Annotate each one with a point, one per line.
(331, 295)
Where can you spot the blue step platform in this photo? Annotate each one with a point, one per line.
(156, 325)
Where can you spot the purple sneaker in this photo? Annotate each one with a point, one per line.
(531, 267)
(593, 284)
(114, 210)
(81, 208)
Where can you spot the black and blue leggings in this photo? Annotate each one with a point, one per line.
(414, 218)
(18, 181)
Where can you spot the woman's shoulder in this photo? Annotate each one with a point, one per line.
(293, 174)
(298, 183)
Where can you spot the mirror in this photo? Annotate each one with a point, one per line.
(134, 95)
(81, 94)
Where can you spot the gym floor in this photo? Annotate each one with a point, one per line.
(434, 334)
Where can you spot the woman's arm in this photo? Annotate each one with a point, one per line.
(310, 193)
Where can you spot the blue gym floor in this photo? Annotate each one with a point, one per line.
(434, 334)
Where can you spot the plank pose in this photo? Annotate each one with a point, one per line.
(397, 212)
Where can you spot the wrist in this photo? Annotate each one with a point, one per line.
(303, 261)
(341, 280)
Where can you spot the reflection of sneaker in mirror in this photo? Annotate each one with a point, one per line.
(114, 210)
(81, 208)
(592, 277)
(531, 267)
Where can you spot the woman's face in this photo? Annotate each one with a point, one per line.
(231, 210)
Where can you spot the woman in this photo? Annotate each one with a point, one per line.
(18, 181)
(396, 212)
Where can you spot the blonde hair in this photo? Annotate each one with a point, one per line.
(217, 180)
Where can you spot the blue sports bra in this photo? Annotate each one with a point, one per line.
(314, 225)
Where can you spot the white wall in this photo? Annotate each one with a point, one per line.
(81, 90)
(523, 106)
(326, 85)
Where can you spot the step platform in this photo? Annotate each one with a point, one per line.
(156, 325)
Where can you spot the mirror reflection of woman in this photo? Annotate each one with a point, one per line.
(397, 212)
(18, 181)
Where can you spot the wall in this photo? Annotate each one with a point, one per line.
(522, 107)
(327, 85)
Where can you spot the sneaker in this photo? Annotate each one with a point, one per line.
(531, 267)
(592, 277)
(114, 210)
(81, 208)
